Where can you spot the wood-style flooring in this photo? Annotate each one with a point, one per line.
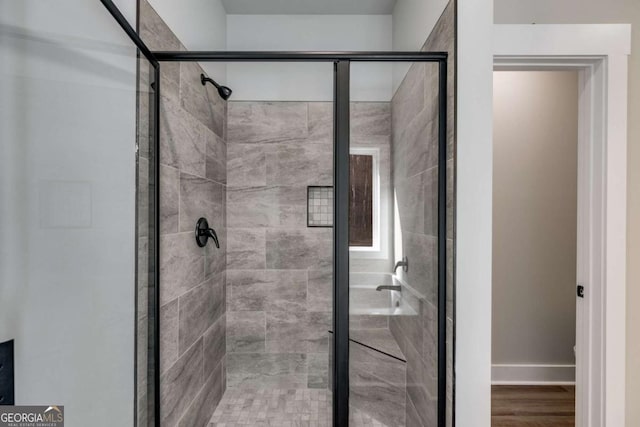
(532, 406)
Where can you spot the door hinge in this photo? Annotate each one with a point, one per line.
(580, 291)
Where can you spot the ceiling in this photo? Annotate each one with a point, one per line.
(309, 7)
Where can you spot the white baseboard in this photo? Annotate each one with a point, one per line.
(533, 374)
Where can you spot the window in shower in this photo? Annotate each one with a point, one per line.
(364, 199)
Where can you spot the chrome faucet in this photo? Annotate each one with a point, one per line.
(404, 264)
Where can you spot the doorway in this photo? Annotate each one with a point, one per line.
(535, 174)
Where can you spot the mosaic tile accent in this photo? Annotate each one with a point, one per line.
(281, 408)
(319, 206)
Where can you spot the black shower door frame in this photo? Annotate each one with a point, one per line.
(341, 100)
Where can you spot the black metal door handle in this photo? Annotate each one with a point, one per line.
(203, 233)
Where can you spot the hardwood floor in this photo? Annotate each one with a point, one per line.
(532, 406)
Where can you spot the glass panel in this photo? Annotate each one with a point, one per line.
(145, 339)
(255, 313)
(279, 260)
(68, 198)
(394, 289)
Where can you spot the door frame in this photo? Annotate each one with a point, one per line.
(600, 54)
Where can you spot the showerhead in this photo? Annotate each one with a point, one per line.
(223, 91)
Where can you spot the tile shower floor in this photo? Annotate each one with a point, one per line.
(282, 408)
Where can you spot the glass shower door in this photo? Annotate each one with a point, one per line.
(69, 238)
(395, 287)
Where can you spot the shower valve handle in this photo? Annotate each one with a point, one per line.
(203, 233)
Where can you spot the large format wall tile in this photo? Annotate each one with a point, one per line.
(320, 290)
(245, 332)
(416, 145)
(380, 400)
(251, 207)
(215, 344)
(215, 259)
(410, 194)
(180, 384)
(246, 248)
(183, 140)
(299, 249)
(198, 311)
(247, 290)
(412, 417)
(321, 121)
(421, 386)
(422, 251)
(295, 332)
(266, 122)
(264, 370)
(169, 199)
(318, 326)
(203, 102)
(270, 290)
(408, 100)
(369, 366)
(381, 340)
(317, 370)
(157, 36)
(421, 139)
(153, 30)
(286, 290)
(200, 197)
(168, 334)
(287, 332)
(216, 164)
(367, 119)
(204, 404)
(370, 119)
(299, 163)
(246, 165)
(181, 265)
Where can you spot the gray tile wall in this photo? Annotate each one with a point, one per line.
(414, 111)
(377, 382)
(144, 253)
(279, 270)
(193, 181)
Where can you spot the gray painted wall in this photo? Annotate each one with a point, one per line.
(534, 217)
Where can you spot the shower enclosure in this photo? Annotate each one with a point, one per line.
(289, 258)
(357, 396)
